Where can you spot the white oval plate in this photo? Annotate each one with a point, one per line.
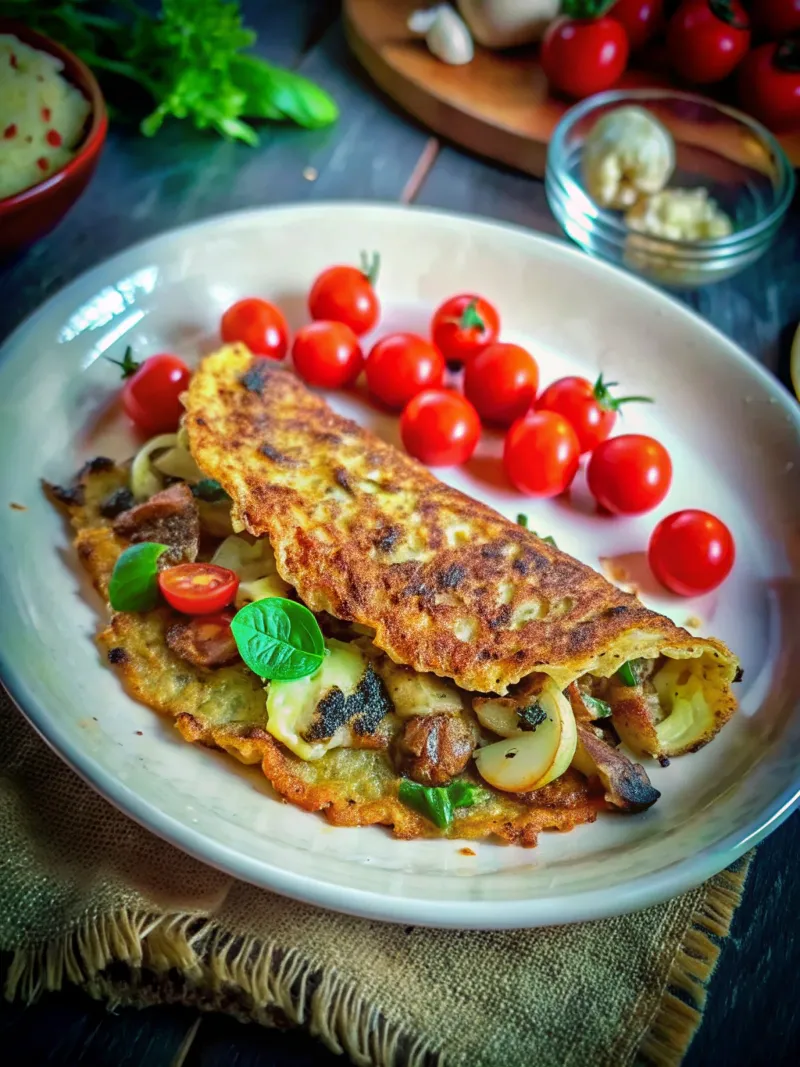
(733, 434)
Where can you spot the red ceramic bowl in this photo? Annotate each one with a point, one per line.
(26, 216)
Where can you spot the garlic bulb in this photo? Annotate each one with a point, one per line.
(627, 154)
(445, 32)
(506, 23)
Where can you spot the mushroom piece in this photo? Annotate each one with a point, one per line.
(626, 784)
(433, 749)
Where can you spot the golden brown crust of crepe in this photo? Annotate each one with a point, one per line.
(370, 535)
(225, 709)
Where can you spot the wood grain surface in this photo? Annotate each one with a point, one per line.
(498, 105)
(376, 152)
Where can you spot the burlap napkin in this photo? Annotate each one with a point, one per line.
(87, 896)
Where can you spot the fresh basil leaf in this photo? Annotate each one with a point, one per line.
(437, 802)
(600, 708)
(278, 639)
(134, 580)
(433, 802)
(522, 520)
(269, 88)
(531, 717)
(548, 540)
(626, 674)
(210, 490)
(466, 794)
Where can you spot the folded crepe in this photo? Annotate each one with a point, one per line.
(463, 651)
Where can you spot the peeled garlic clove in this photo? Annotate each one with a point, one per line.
(531, 759)
(446, 34)
(628, 153)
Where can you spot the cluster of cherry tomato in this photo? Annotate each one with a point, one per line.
(587, 50)
(546, 433)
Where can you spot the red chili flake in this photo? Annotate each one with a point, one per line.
(42, 163)
(53, 138)
(12, 59)
(10, 131)
(46, 113)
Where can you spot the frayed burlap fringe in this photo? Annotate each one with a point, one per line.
(137, 958)
(679, 1013)
(217, 972)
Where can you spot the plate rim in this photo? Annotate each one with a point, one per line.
(584, 905)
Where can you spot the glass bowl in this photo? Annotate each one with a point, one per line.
(740, 163)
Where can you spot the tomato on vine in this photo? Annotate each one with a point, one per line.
(347, 294)
(590, 409)
(463, 326)
(769, 84)
(151, 395)
(707, 39)
(584, 51)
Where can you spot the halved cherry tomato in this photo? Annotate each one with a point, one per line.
(198, 588)
(641, 19)
(629, 474)
(463, 326)
(501, 382)
(327, 354)
(769, 84)
(347, 294)
(590, 409)
(541, 454)
(400, 366)
(257, 324)
(706, 39)
(584, 56)
(152, 391)
(691, 552)
(440, 427)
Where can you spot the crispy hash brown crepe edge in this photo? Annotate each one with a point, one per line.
(225, 709)
(449, 586)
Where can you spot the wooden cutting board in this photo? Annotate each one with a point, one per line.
(498, 105)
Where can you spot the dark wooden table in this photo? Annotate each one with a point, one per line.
(376, 153)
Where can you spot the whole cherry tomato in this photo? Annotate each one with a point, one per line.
(629, 474)
(776, 19)
(541, 454)
(400, 366)
(327, 354)
(464, 325)
(707, 39)
(769, 84)
(152, 391)
(440, 428)
(501, 382)
(584, 56)
(590, 409)
(257, 324)
(691, 552)
(198, 588)
(347, 294)
(641, 19)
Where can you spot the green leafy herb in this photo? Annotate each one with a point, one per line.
(278, 639)
(532, 716)
(548, 539)
(437, 802)
(627, 675)
(600, 708)
(522, 520)
(134, 580)
(188, 59)
(128, 363)
(210, 490)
